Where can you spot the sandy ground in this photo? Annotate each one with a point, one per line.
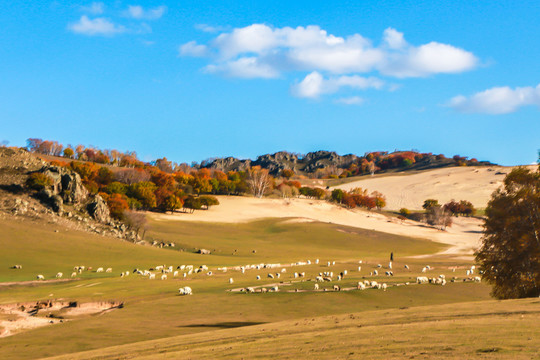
(463, 236)
(13, 319)
(475, 184)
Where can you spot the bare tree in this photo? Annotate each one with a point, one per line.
(136, 221)
(258, 180)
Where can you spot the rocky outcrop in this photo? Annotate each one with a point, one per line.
(99, 210)
(67, 184)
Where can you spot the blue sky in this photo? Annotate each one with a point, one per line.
(191, 80)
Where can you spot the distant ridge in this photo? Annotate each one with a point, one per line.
(330, 161)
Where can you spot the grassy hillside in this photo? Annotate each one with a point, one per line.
(153, 310)
(493, 329)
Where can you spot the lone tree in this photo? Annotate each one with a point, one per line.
(258, 181)
(510, 253)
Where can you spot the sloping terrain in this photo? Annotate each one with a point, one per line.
(497, 330)
(402, 190)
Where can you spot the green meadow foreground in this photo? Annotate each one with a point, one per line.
(148, 319)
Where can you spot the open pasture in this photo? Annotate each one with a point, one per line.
(152, 308)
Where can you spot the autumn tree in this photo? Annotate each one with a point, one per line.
(430, 203)
(338, 195)
(287, 173)
(510, 253)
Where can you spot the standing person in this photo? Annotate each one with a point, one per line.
(392, 256)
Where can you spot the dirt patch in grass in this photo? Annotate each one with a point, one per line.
(16, 318)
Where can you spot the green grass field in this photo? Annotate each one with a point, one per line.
(154, 311)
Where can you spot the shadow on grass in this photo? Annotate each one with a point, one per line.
(224, 325)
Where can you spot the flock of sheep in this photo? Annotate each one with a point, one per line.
(164, 271)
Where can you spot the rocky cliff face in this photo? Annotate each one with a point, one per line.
(285, 160)
(67, 184)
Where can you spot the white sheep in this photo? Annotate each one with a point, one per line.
(270, 276)
(406, 266)
(164, 277)
(361, 286)
(384, 286)
(316, 287)
(99, 269)
(379, 265)
(175, 274)
(109, 270)
(40, 277)
(317, 261)
(477, 279)
(274, 289)
(283, 270)
(337, 288)
(231, 280)
(375, 273)
(73, 274)
(390, 265)
(359, 268)
(302, 274)
(319, 279)
(59, 275)
(151, 276)
(258, 277)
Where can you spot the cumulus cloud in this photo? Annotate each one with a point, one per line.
(138, 12)
(193, 49)
(497, 100)
(246, 67)
(96, 27)
(259, 50)
(94, 8)
(314, 84)
(313, 49)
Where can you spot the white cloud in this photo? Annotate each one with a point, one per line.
(314, 84)
(353, 100)
(394, 39)
(313, 49)
(330, 62)
(94, 8)
(138, 12)
(497, 100)
(193, 49)
(96, 27)
(246, 67)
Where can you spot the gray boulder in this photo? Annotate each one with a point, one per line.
(99, 210)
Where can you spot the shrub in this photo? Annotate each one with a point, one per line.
(405, 212)
(38, 181)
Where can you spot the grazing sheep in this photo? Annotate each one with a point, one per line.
(339, 278)
(175, 274)
(109, 270)
(328, 263)
(302, 274)
(264, 290)
(16, 267)
(40, 277)
(359, 268)
(374, 285)
(316, 286)
(406, 266)
(99, 269)
(384, 286)
(319, 279)
(422, 279)
(73, 274)
(361, 286)
(209, 273)
(333, 263)
(327, 278)
(390, 265)
(270, 276)
(163, 277)
(151, 276)
(231, 280)
(345, 272)
(295, 275)
(337, 288)
(258, 277)
(379, 265)
(59, 275)
(250, 290)
(317, 261)
(283, 270)
(477, 279)
(185, 275)
(274, 289)
(424, 269)
(375, 273)
(468, 272)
